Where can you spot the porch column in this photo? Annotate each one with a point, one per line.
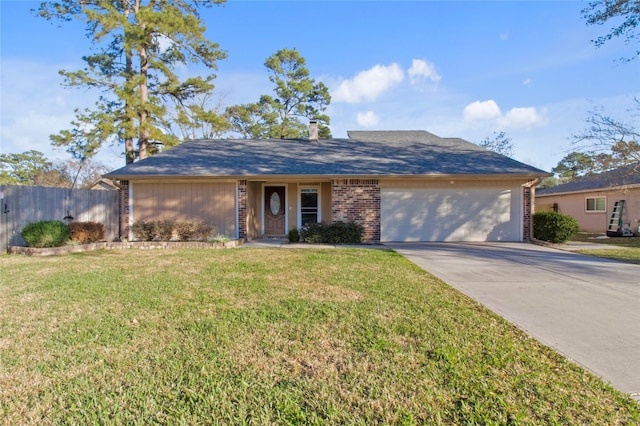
(241, 207)
(125, 229)
(527, 213)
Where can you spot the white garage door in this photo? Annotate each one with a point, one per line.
(461, 214)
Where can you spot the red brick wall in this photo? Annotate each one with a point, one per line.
(357, 200)
(124, 210)
(527, 228)
(242, 209)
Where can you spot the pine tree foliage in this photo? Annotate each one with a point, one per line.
(137, 46)
(23, 168)
(574, 166)
(31, 168)
(297, 99)
(622, 15)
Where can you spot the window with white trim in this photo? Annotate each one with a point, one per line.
(596, 204)
(309, 206)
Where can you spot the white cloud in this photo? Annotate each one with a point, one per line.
(487, 110)
(521, 117)
(368, 85)
(515, 118)
(504, 36)
(421, 69)
(367, 119)
(527, 82)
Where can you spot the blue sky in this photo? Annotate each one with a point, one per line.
(455, 69)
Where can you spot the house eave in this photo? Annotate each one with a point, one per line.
(425, 176)
(584, 191)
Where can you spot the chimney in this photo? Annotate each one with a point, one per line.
(313, 131)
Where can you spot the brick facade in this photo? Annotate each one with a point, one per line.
(357, 200)
(527, 214)
(242, 209)
(125, 229)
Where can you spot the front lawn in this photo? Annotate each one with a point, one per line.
(630, 242)
(271, 336)
(628, 248)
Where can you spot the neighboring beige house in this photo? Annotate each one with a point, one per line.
(591, 200)
(400, 185)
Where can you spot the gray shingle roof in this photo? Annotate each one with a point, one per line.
(628, 175)
(376, 153)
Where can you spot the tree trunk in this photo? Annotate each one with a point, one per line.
(143, 141)
(144, 100)
(128, 137)
(128, 141)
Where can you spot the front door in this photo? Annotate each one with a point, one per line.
(274, 210)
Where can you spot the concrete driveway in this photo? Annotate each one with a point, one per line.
(588, 309)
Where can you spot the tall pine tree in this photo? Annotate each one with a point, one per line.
(298, 99)
(138, 45)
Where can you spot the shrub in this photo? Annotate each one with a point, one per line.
(293, 235)
(336, 233)
(554, 227)
(184, 230)
(193, 231)
(163, 229)
(46, 233)
(343, 233)
(312, 233)
(143, 230)
(86, 232)
(203, 231)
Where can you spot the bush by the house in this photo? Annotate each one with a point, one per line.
(335, 233)
(293, 235)
(554, 227)
(203, 231)
(86, 232)
(343, 233)
(46, 233)
(193, 231)
(165, 230)
(143, 230)
(312, 233)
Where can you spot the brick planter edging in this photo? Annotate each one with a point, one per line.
(148, 245)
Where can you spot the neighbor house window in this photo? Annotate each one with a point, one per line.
(597, 204)
(309, 206)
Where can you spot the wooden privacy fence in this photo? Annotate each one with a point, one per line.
(20, 205)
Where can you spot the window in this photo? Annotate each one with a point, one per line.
(597, 204)
(309, 206)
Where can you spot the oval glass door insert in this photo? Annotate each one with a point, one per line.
(274, 203)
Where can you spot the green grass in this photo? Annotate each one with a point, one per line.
(632, 242)
(628, 251)
(629, 255)
(271, 336)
